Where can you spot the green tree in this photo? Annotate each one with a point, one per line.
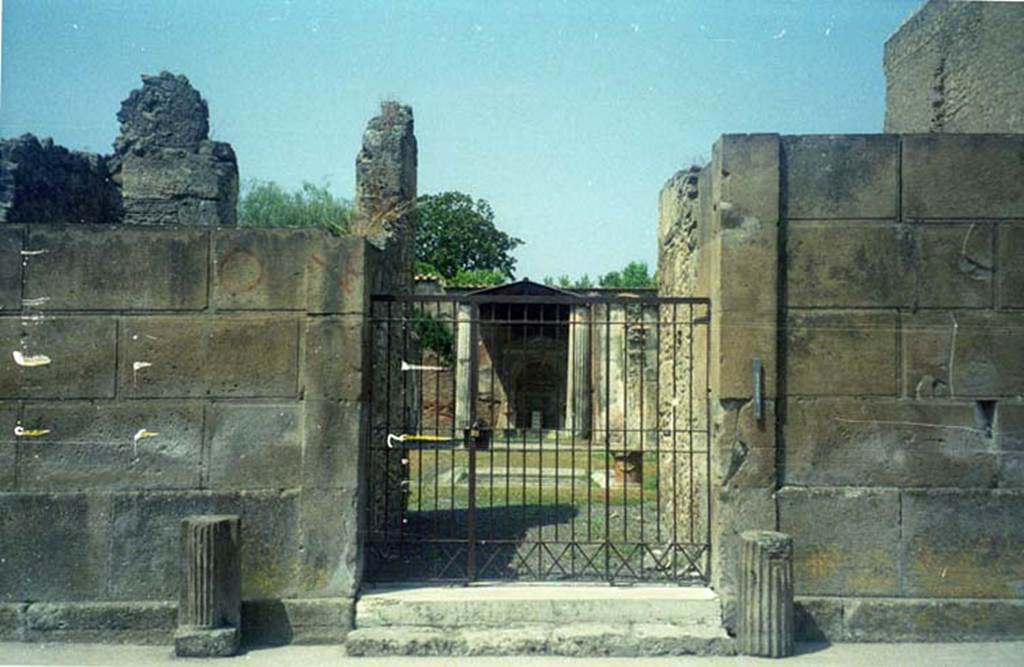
(635, 275)
(267, 204)
(455, 233)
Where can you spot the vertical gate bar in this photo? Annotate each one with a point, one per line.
(522, 351)
(643, 424)
(406, 310)
(607, 440)
(540, 459)
(573, 324)
(658, 432)
(690, 424)
(707, 437)
(560, 406)
(675, 445)
(388, 366)
(625, 415)
(471, 511)
(492, 351)
(372, 436)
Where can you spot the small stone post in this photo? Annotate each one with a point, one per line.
(764, 623)
(209, 609)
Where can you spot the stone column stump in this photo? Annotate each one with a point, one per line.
(209, 609)
(764, 619)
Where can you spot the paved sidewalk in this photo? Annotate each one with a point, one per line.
(872, 655)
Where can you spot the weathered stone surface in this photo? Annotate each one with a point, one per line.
(894, 620)
(117, 268)
(963, 176)
(206, 643)
(169, 172)
(167, 111)
(9, 414)
(887, 442)
(1011, 470)
(55, 546)
(735, 510)
(217, 357)
(135, 622)
(841, 354)
(332, 454)
(818, 619)
(840, 176)
(254, 446)
(331, 544)
(298, 621)
(42, 182)
(386, 192)
(342, 273)
(144, 544)
(956, 67)
(10, 267)
(168, 186)
(955, 265)
(336, 351)
(1011, 269)
(971, 354)
(849, 264)
(1009, 426)
(108, 446)
(260, 269)
(853, 552)
(10, 621)
(962, 543)
(81, 351)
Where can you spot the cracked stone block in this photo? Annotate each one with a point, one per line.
(955, 266)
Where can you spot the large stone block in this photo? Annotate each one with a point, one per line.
(336, 351)
(856, 442)
(10, 267)
(254, 446)
(1009, 426)
(818, 619)
(900, 620)
(331, 539)
(116, 268)
(840, 176)
(342, 273)
(735, 510)
(135, 622)
(1011, 470)
(841, 354)
(332, 452)
(845, 540)
(260, 269)
(849, 264)
(146, 534)
(1011, 269)
(106, 446)
(9, 420)
(741, 338)
(963, 176)
(964, 354)
(205, 356)
(963, 544)
(55, 546)
(955, 265)
(81, 354)
(298, 621)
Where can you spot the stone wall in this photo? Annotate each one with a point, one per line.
(153, 372)
(884, 303)
(957, 67)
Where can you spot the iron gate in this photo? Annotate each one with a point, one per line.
(524, 432)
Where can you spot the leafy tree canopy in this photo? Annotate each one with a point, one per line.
(455, 233)
(635, 275)
(267, 204)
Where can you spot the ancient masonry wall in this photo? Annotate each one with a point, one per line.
(149, 373)
(886, 308)
(957, 67)
(172, 366)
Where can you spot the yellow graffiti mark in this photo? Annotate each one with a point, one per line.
(23, 432)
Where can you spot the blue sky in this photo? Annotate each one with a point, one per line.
(567, 116)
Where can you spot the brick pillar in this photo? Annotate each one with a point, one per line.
(209, 607)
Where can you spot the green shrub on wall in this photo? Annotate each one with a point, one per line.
(267, 204)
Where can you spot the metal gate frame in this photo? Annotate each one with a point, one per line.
(449, 545)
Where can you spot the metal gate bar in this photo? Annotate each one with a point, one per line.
(538, 437)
